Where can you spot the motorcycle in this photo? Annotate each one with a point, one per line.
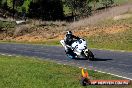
(79, 50)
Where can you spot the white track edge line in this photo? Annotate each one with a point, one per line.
(6, 54)
(112, 50)
(10, 55)
(3, 54)
(114, 75)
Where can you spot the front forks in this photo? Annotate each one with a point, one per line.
(86, 52)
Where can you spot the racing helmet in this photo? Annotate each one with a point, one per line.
(69, 32)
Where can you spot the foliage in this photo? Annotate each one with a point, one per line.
(46, 9)
(18, 4)
(107, 3)
(2, 2)
(79, 7)
(55, 9)
(22, 4)
(10, 3)
(6, 25)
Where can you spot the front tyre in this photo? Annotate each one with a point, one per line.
(90, 55)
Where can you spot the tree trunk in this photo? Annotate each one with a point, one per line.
(13, 8)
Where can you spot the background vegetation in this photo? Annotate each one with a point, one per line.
(54, 9)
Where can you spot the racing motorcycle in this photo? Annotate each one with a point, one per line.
(79, 50)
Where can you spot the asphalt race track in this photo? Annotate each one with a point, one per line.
(119, 63)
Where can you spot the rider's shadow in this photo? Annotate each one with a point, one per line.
(100, 59)
(81, 59)
(96, 59)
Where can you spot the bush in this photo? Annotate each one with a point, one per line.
(6, 25)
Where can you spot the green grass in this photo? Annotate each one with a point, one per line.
(25, 72)
(122, 1)
(121, 41)
(48, 42)
(67, 10)
(111, 22)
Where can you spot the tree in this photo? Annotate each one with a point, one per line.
(46, 9)
(16, 3)
(95, 3)
(107, 3)
(2, 2)
(79, 7)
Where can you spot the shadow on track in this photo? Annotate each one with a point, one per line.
(96, 59)
(81, 59)
(99, 59)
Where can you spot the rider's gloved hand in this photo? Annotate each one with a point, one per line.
(69, 47)
(77, 37)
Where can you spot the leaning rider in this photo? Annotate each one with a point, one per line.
(68, 40)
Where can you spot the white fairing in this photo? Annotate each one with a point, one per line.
(79, 46)
(63, 44)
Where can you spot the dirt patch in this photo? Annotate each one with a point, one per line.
(29, 38)
(38, 32)
(95, 31)
(44, 33)
(89, 31)
(115, 29)
(125, 16)
(82, 32)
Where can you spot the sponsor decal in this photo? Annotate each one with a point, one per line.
(86, 80)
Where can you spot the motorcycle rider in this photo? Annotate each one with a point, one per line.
(68, 40)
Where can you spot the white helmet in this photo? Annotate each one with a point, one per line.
(69, 32)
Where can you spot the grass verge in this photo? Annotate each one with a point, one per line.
(25, 72)
(47, 42)
(122, 1)
(116, 41)
(121, 41)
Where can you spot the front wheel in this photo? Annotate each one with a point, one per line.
(90, 55)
